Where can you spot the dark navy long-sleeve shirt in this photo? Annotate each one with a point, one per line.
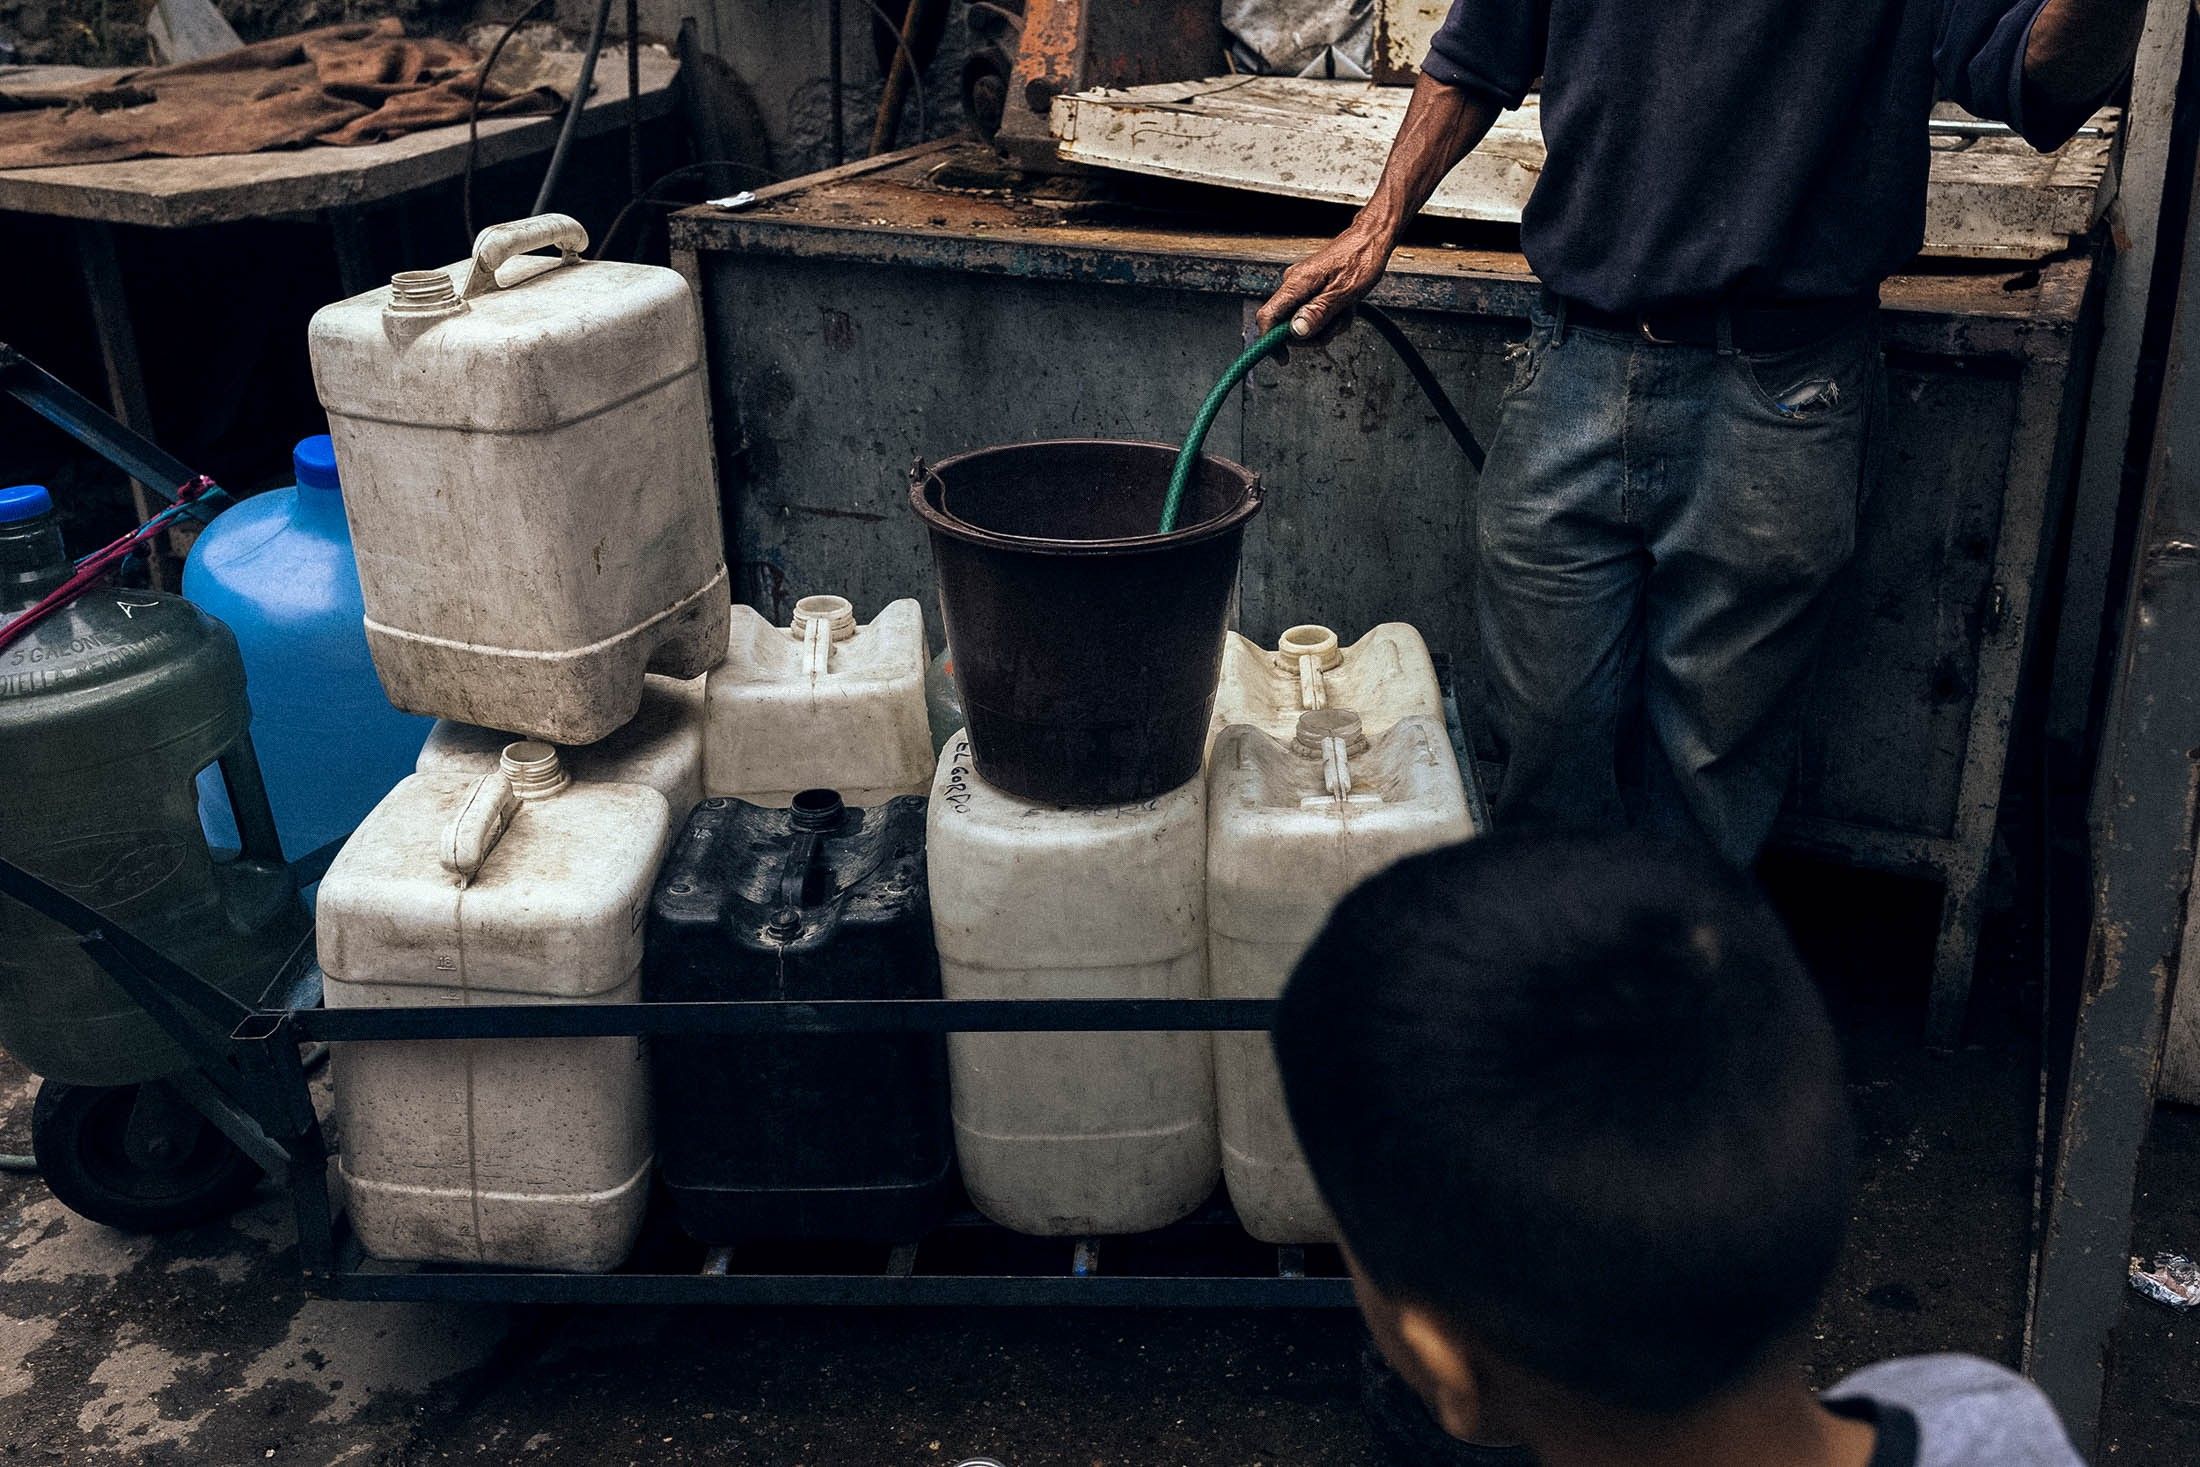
(1764, 148)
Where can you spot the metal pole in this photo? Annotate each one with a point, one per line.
(840, 102)
(2135, 217)
(2143, 815)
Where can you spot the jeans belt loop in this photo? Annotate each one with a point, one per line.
(1556, 305)
(1726, 330)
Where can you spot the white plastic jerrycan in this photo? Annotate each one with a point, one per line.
(1291, 827)
(525, 449)
(662, 747)
(518, 886)
(1385, 676)
(825, 702)
(1074, 1134)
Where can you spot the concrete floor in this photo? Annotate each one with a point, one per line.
(198, 1347)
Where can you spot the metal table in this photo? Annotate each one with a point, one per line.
(925, 302)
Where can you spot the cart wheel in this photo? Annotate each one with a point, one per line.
(1408, 1435)
(136, 1157)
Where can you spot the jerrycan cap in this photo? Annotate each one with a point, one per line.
(1323, 724)
(19, 502)
(1319, 643)
(314, 462)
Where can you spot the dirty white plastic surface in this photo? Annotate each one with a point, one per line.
(1074, 1134)
(519, 886)
(1385, 676)
(662, 747)
(826, 702)
(525, 448)
(1287, 838)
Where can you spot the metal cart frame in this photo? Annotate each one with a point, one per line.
(250, 1081)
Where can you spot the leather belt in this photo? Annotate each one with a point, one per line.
(1755, 326)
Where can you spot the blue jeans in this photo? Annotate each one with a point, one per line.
(1659, 528)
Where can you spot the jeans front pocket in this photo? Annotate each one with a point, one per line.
(1825, 379)
(1526, 359)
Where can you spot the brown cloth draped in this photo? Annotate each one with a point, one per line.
(341, 84)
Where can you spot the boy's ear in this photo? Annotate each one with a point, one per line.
(1425, 1353)
(1442, 1369)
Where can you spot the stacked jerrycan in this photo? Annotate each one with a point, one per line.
(278, 570)
(1385, 676)
(802, 876)
(526, 458)
(1068, 828)
(1075, 1134)
(516, 886)
(662, 747)
(825, 702)
(1294, 824)
(834, 1136)
(109, 709)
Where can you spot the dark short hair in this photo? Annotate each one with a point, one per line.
(1578, 1096)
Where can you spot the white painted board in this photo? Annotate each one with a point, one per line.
(1991, 197)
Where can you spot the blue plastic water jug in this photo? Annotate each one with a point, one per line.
(278, 568)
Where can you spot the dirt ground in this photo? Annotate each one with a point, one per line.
(198, 1348)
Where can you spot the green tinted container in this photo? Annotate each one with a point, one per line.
(108, 711)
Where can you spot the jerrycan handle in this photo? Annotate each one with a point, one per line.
(500, 242)
(812, 816)
(483, 816)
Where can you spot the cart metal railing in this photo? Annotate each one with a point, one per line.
(250, 1081)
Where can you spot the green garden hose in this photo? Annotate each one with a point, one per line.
(1187, 458)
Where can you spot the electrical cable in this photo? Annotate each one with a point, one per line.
(195, 495)
(473, 117)
(648, 196)
(633, 98)
(571, 125)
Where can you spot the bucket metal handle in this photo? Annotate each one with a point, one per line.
(500, 242)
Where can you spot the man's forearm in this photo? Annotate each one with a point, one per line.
(1442, 125)
(2078, 50)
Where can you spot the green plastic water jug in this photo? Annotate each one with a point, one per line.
(108, 711)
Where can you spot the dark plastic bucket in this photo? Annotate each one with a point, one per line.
(1086, 646)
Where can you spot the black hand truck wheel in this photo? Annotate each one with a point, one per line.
(136, 1157)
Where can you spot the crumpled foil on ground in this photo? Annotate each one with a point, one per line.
(2174, 1280)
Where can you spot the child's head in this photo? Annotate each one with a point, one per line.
(1579, 1112)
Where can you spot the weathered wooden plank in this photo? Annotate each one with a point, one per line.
(175, 193)
(1991, 197)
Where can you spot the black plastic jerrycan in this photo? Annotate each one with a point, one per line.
(799, 1136)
